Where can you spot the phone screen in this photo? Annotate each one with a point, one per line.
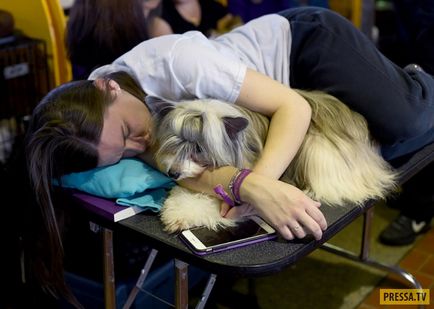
(245, 229)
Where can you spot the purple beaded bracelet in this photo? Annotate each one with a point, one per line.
(236, 182)
(225, 196)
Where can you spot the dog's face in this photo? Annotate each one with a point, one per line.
(195, 135)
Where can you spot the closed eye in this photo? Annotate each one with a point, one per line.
(198, 149)
(125, 132)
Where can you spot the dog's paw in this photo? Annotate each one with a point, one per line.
(175, 225)
(184, 209)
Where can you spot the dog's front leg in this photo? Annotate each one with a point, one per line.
(184, 209)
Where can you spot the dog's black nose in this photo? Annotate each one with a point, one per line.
(174, 175)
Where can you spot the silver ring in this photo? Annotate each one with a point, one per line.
(297, 227)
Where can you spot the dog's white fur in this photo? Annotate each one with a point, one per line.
(337, 164)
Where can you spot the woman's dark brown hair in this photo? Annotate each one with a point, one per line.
(62, 137)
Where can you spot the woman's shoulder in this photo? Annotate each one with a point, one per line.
(166, 43)
(154, 52)
(269, 20)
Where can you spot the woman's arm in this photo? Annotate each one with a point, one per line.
(283, 206)
(280, 204)
(290, 118)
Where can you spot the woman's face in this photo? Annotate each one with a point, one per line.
(128, 129)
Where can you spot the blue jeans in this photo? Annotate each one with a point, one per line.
(328, 53)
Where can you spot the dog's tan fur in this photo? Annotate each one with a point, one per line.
(337, 164)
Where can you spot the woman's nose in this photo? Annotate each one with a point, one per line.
(135, 146)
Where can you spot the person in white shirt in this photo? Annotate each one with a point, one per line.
(96, 122)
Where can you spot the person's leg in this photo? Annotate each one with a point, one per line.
(416, 203)
(414, 44)
(328, 53)
(418, 196)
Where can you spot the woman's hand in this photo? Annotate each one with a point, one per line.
(291, 212)
(286, 208)
(244, 210)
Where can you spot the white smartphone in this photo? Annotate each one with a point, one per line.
(205, 241)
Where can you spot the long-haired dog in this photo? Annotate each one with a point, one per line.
(338, 163)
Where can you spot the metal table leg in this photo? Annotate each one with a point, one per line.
(206, 292)
(109, 272)
(181, 287)
(365, 250)
(143, 274)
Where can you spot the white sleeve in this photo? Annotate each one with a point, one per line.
(179, 67)
(204, 72)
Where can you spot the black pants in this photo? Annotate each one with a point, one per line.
(328, 53)
(417, 198)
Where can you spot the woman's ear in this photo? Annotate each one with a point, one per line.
(109, 85)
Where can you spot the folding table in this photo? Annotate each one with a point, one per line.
(255, 260)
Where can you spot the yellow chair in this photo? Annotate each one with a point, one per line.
(351, 9)
(44, 19)
(59, 26)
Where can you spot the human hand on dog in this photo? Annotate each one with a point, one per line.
(291, 212)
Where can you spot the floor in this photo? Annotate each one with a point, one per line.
(419, 261)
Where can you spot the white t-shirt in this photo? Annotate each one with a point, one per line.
(187, 66)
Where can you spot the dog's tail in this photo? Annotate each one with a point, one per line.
(338, 161)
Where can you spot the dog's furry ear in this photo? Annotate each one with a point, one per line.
(234, 125)
(158, 106)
